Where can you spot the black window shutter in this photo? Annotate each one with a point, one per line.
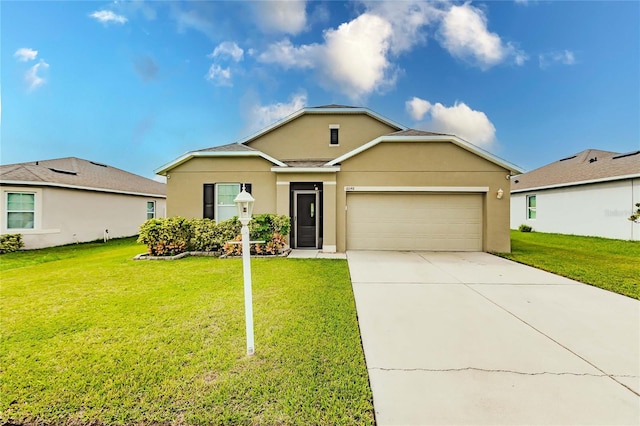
(247, 187)
(209, 201)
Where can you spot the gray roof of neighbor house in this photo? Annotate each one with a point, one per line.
(588, 166)
(72, 172)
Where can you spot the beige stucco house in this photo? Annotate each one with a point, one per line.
(352, 179)
(70, 200)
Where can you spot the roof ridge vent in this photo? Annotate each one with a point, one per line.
(65, 172)
(568, 158)
(98, 164)
(628, 154)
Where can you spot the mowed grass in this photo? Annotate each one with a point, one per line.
(90, 336)
(609, 264)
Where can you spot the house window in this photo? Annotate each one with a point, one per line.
(333, 134)
(151, 209)
(219, 200)
(21, 208)
(531, 206)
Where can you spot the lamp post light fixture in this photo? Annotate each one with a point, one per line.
(244, 202)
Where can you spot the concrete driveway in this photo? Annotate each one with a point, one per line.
(471, 338)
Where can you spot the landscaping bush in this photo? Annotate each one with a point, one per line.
(525, 228)
(10, 243)
(166, 237)
(175, 235)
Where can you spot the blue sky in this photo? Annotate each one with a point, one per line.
(135, 84)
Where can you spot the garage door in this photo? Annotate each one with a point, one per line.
(401, 221)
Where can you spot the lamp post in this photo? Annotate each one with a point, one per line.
(244, 202)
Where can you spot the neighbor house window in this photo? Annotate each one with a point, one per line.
(531, 206)
(333, 134)
(219, 200)
(21, 207)
(151, 209)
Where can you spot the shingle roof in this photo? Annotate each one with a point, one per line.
(305, 163)
(585, 166)
(76, 172)
(232, 147)
(334, 106)
(414, 132)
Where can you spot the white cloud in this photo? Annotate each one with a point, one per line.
(407, 19)
(219, 76)
(261, 116)
(32, 78)
(565, 57)
(286, 17)
(228, 49)
(417, 108)
(25, 54)
(200, 17)
(107, 16)
(285, 54)
(460, 120)
(352, 59)
(464, 34)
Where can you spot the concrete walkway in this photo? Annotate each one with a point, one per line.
(471, 338)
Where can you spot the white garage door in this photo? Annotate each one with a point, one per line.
(401, 221)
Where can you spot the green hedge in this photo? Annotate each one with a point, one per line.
(175, 235)
(10, 243)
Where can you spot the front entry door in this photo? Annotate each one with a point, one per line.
(306, 219)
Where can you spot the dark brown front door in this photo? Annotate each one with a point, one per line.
(306, 220)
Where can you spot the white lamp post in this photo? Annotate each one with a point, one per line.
(244, 201)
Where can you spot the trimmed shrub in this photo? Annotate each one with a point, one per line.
(175, 235)
(10, 243)
(525, 228)
(166, 237)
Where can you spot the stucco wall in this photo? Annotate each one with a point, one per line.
(598, 209)
(307, 137)
(185, 183)
(429, 164)
(66, 216)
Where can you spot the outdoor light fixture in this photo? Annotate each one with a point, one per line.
(500, 194)
(244, 202)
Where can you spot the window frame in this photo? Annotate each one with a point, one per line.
(8, 211)
(153, 211)
(532, 211)
(211, 210)
(334, 129)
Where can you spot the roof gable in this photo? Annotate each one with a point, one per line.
(587, 166)
(327, 109)
(411, 135)
(72, 172)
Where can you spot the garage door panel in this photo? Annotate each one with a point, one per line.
(384, 221)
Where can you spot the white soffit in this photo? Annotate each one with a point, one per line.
(189, 155)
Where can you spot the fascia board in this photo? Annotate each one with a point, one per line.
(578, 183)
(189, 155)
(83, 188)
(457, 141)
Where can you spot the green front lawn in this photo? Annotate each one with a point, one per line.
(90, 336)
(609, 264)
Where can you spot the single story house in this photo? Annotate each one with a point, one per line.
(350, 178)
(70, 200)
(589, 193)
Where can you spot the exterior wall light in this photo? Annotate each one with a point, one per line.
(500, 194)
(244, 202)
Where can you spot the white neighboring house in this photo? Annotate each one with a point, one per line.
(590, 193)
(70, 200)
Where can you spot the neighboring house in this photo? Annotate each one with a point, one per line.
(589, 193)
(70, 200)
(352, 179)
